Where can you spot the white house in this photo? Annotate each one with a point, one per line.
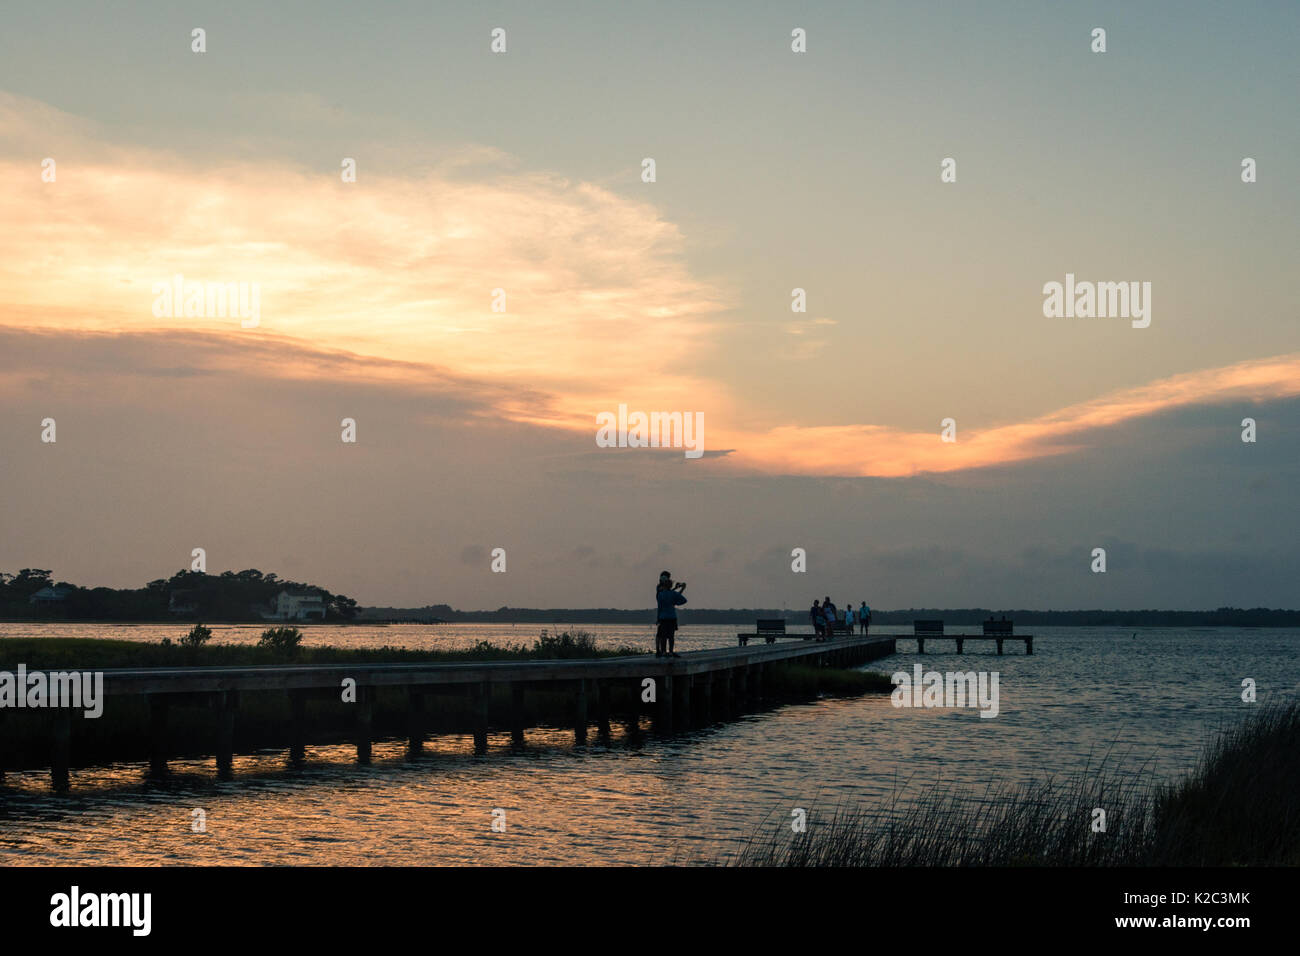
(298, 606)
(49, 595)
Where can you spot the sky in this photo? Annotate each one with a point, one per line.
(516, 180)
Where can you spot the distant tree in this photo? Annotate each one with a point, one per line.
(197, 637)
(282, 640)
(30, 580)
(343, 607)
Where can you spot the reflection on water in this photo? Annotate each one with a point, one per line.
(1085, 694)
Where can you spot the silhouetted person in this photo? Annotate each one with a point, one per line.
(667, 596)
(864, 617)
(818, 622)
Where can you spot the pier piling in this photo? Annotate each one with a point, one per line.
(414, 722)
(61, 753)
(297, 727)
(481, 699)
(664, 705)
(364, 715)
(517, 713)
(602, 709)
(580, 713)
(706, 698)
(157, 735)
(227, 703)
(682, 703)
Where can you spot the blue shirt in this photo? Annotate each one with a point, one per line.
(668, 599)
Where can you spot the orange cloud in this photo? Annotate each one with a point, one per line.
(597, 294)
(888, 452)
(393, 278)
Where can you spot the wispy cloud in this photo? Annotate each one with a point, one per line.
(392, 267)
(889, 452)
(392, 278)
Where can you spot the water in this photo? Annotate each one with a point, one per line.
(1147, 704)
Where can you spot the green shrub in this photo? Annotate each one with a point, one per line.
(281, 640)
(567, 645)
(197, 637)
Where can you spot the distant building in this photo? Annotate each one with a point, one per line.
(182, 602)
(298, 606)
(49, 596)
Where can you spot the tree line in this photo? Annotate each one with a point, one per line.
(229, 596)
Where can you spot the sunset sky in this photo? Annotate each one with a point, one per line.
(775, 170)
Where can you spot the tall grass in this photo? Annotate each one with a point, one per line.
(58, 653)
(1240, 806)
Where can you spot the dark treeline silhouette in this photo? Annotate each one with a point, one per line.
(242, 595)
(32, 594)
(1221, 617)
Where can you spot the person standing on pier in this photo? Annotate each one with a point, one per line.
(864, 616)
(848, 618)
(818, 622)
(667, 596)
(831, 612)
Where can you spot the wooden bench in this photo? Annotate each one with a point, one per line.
(923, 629)
(840, 627)
(997, 631)
(769, 629)
(1001, 631)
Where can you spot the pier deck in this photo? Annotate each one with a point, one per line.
(722, 680)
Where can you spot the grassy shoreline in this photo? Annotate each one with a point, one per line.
(1240, 806)
(264, 718)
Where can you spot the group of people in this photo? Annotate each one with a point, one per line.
(825, 616)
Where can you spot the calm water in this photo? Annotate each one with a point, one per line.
(1150, 702)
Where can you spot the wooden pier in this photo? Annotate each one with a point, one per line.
(996, 631)
(697, 687)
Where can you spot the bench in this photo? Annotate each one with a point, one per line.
(997, 631)
(1001, 631)
(768, 628)
(923, 629)
(841, 627)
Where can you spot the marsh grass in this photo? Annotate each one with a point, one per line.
(1240, 806)
(79, 653)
